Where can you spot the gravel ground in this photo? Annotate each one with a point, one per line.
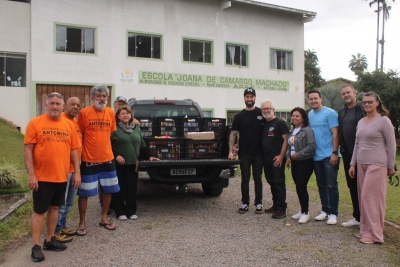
(178, 229)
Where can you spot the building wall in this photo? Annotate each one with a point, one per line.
(15, 26)
(173, 19)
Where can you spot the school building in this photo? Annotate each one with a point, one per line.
(205, 50)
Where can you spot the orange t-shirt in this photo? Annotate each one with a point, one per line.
(53, 140)
(96, 128)
(78, 132)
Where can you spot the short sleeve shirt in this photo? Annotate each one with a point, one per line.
(272, 139)
(96, 128)
(322, 122)
(249, 125)
(53, 141)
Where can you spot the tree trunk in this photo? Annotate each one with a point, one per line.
(377, 37)
(383, 36)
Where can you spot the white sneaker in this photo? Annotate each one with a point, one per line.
(321, 216)
(122, 218)
(133, 217)
(332, 219)
(304, 218)
(297, 215)
(352, 222)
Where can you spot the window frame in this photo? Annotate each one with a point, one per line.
(187, 38)
(151, 34)
(237, 44)
(4, 54)
(288, 118)
(282, 50)
(68, 25)
(208, 110)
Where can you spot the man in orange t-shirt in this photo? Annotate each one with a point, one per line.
(98, 165)
(62, 233)
(50, 144)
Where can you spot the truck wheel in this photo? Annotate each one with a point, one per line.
(209, 191)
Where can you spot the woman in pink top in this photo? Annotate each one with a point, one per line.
(375, 155)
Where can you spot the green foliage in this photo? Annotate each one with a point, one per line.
(387, 86)
(358, 64)
(9, 175)
(312, 72)
(331, 97)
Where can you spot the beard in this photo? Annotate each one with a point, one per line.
(249, 103)
(267, 116)
(100, 104)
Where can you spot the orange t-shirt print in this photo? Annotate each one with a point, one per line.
(96, 128)
(79, 133)
(53, 142)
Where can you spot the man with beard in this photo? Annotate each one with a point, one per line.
(274, 146)
(324, 122)
(98, 165)
(349, 115)
(248, 124)
(63, 234)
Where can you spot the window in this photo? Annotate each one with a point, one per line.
(236, 55)
(197, 51)
(147, 46)
(207, 113)
(281, 60)
(285, 115)
(75, 39)
(12, 70)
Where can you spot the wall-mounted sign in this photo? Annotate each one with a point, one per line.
(193, 80)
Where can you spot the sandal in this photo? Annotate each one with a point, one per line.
(108, 226)
(81, 231)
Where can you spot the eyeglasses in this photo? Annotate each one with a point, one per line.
(369, 102)
(55, 95)
(267, 109)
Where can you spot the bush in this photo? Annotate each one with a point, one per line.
(9, 175)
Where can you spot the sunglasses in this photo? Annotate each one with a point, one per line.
(369, 102)
(55, 95)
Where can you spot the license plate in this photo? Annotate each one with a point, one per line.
(188, 171)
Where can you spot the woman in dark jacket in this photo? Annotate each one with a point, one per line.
(301, 146)
(127, 143)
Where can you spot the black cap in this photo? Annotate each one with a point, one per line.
(249, 90)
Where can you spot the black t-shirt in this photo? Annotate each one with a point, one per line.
(249, 124)
(272, 140)
(349, 129)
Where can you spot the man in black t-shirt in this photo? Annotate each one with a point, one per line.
(274, 146)
(248, 124)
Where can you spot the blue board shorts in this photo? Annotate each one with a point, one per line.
(94, 173)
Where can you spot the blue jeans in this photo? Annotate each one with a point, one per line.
(255, 163)
(327, 185)
(69, 201)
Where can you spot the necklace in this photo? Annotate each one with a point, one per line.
(101, 122)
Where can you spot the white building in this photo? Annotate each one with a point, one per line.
(206, 50)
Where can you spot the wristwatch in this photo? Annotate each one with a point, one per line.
(335, 152)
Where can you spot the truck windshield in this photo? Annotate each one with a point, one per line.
(153, 111)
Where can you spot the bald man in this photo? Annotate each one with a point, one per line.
(62, 233)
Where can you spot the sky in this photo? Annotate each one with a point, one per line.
(343, 28)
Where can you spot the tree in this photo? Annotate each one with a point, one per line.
(312, 72)
(358, 64)
(331, 97)
(383, 7)
(387, 86)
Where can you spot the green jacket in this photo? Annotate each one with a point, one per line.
(127, 145)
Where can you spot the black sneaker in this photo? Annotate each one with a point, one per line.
(243, 209)
(54, 245)
(279, 214)
(270, 210)
(259, 209)
(37, 254)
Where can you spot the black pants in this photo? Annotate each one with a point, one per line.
(246, 163)
(127, 180)
(301, 173)
(276, 178)
(352, 185)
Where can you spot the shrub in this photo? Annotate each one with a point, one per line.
(9, 175)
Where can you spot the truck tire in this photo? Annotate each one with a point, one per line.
(210, 191)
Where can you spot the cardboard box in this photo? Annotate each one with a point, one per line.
(200, 135)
